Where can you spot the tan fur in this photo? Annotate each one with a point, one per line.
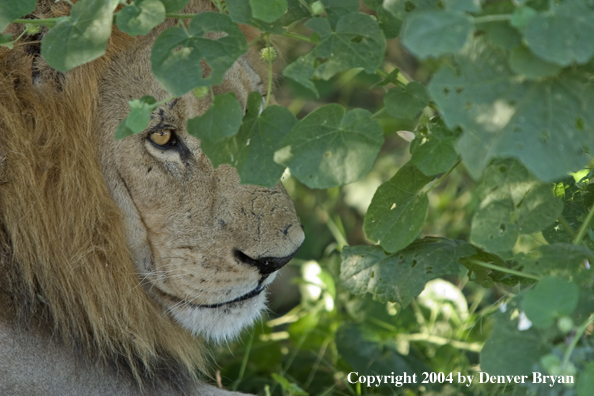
(81, 217)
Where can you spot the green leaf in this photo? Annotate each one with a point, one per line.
(122, 131)
(240, 11)
(407, 102)
(336, 9)
(585, 382)
(398, 210)
(502, 35)
(564, 257)
(302, 71)
(80, 38)
(513, 203)
(509, 351)
(251, 150)
(290, 387)
(400, 277)
(435, 32)
(140, 115)
(402, 9)
(522, 16)
(435, 156)
(492, 227)
(524, 62)
(356, 41)
(329, 148)
(6, 41)
(578, 199)
(177, 54)
(14, 9)
(220, 121)
(367, 356)
(563, 36)
(389, 23)
(551, 298)
(487, 277)
(173, 6)
(140, 17)
(268, 10)
(512, 117)
(463, 5)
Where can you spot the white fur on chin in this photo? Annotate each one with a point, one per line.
(222, 323)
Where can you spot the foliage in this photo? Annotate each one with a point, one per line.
(503, 88)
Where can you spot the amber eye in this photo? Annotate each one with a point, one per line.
(163, 139)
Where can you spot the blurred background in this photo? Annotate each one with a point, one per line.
(315, 331)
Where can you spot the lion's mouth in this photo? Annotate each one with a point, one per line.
(259, 289)
(251, 294)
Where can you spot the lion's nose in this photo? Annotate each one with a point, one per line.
(266, 265)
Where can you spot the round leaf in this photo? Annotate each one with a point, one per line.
(172, 6)
(268, 10)
(251, 150)
(398, 209)
(14, 9)
(407, 102)
(564, 35)
(551, 298)
(80, 38)
(400, 277)
(585, 382)
(434, 33)
(329, 148)
(140, 17)
(524, 62)
(509, 351)
(512, 117)
(435, 156)
(176, 55)
(221, 120)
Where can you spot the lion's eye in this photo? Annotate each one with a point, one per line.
(163, 139)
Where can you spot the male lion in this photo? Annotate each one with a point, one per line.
(115, 254)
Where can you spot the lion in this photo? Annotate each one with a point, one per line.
(117, 257)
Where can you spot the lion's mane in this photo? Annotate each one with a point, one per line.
(65, 267)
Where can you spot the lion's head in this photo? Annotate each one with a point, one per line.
(205, 245)
(112, 244)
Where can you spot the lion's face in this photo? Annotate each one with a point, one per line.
(205, 246)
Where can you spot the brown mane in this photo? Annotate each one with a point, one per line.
(64, 262)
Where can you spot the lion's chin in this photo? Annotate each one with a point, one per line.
(221, 323)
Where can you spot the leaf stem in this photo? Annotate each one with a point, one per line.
(395, 81)
(336, 233)
(248, 348)
(503, 269)
(491, 18)
(432, 339)
(378, 113)
(584, 227)
(305, 5)
(181, 16)
(578, 334)
(444, 176)
(155, 105)
(298, 37)
(46, 21)
(256, 40)
(269, 91)
(563, 221)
